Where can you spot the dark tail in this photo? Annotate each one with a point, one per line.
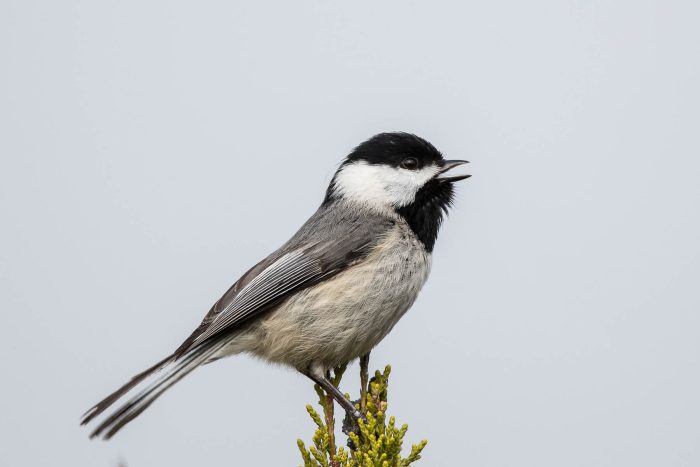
(152, 383)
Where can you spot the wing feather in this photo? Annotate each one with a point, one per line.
(288, 270)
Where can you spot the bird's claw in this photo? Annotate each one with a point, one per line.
(351, 425)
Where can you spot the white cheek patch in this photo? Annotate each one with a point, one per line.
(381, 185)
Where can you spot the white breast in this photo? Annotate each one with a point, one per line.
(346, 316)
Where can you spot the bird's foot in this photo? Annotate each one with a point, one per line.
(351, 424)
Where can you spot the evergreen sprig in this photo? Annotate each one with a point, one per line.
(377, 442)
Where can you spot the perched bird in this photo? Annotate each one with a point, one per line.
(334, 290)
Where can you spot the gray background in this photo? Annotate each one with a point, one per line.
(152, 151)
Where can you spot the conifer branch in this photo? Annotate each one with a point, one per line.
(376, 443)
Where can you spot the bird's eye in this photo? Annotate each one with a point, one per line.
(410, 163)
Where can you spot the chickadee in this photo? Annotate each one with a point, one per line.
(334, 290)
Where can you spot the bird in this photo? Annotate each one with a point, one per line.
(332, 292)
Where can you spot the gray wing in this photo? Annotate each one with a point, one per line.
(302, 262)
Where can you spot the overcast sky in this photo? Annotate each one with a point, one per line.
(150, 152)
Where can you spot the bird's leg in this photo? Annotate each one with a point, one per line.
(319, 377)
(350, 424)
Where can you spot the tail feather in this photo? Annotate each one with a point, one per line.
(105, 403)
(168, 371)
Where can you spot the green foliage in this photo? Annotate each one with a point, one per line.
(377, 443)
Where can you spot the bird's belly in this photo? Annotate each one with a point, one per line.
(344, 317)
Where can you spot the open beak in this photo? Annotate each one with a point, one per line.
(449, 165)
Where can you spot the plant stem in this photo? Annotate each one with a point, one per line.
(364, 378)
(330, 425)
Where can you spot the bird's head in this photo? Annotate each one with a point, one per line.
(401, 173)
(393, 171)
